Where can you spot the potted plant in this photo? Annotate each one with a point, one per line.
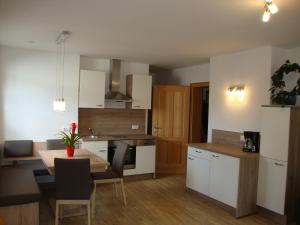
(70, 139)
(279, 95)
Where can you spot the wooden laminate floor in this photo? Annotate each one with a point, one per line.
(163, 201)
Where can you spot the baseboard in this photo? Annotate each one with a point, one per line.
(275, 217)
(139, 177)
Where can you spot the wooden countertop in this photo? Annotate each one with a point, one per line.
(119, 137)
(230, 150)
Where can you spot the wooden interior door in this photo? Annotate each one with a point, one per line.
(196, 134)
(170, 124)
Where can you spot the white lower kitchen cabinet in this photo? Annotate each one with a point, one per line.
(198, 174)
(99, 148)
(228, 178)
(145, 161)
(224, 178)
(272, 184)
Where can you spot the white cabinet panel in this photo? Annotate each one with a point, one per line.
(141, 92)
(145, 161)
(224, 177)
(99, 148)
(92, 89)
(198, 174)
(272, 184)
(200, 153)
(275, 131)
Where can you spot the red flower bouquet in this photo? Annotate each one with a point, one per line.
(70, 139)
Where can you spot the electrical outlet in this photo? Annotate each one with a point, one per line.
(242, 138)
(134, 127)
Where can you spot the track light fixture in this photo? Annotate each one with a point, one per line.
(270, 9)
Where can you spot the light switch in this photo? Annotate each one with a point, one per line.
(134, 127)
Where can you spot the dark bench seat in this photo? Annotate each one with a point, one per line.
(18, 186)
(19, 196)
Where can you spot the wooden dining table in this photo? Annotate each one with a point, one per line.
(97, 164)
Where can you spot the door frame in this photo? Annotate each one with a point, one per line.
(195, 97)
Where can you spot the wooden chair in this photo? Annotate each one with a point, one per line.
(115, 173)
(73, 184)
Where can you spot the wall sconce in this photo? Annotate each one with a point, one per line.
(237, 90)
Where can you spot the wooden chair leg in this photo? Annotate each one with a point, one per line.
(116, 189)
(93, 202)
(89, 213)
(56, 213)
(123, 191)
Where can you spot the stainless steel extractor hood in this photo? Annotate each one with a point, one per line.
(114, 93)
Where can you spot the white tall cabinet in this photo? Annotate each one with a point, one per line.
(279, 166)
(91, 89)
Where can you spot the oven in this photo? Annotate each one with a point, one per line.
(130, 158)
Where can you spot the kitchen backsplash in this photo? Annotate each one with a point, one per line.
(111, 121)
(227, 137)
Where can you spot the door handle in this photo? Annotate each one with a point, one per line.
(278, 164)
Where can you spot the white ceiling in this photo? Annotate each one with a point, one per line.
(167, 33)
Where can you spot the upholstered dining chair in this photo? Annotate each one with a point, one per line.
(115, 173)
(74, 185)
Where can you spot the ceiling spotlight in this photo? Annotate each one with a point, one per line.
(270, 8)
(266, 16)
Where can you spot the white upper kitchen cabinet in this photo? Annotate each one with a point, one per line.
(272, 184)
(139, 87)
(92, 89)
(275, 133)
(224, 178)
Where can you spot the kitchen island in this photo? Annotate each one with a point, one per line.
(224, 174)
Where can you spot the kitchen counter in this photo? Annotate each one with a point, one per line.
(119, 137)
(230, 150)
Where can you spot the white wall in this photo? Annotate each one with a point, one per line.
(184, 75)
(27, 91)
(251, 68)
(191, 74)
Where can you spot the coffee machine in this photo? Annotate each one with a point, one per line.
(252, 141)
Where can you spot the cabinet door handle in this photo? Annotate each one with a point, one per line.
(102, 150)
(278, 164)
(99, 105)
(136, 106)
(198, 151)
(215, 156)
(191, 158)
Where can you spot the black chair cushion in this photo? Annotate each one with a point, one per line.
(109, 174)
(31, 165)
(55, 144)
(19, 148)
(18, 186)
